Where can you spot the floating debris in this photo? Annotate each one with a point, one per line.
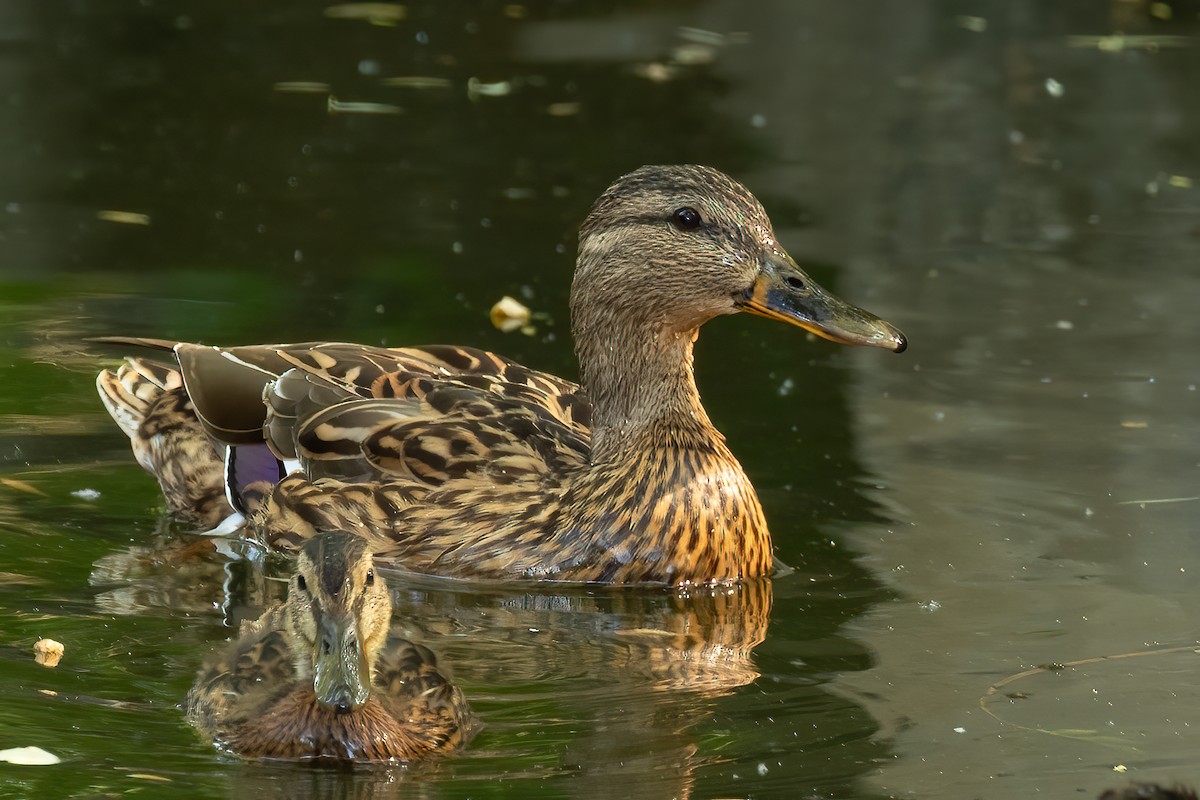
(972, 24)
(711, 38)
(1119, 42)
(383, 14)
(336, 106)
(302, 87)
(48, 652)
(1161, 11)
(656, 72)
(29, 756)
(694, 54)
(1158, 501)
(477, 88)
(416, 82)
(1135, 424)
(124, 217)
(22, 486)
(515, 11)
(1180, 181)
(1054, 88)
(563, 109)
(1065, 325)
(147, 776)
(509, 314)
(86, 494)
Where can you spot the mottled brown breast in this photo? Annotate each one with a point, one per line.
(298, 727)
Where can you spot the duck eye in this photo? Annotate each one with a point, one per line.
(370, 577)
(686, 218)
(301, 584)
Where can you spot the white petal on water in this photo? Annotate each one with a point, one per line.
(29, 756)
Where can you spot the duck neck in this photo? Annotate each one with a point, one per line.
(640, 381)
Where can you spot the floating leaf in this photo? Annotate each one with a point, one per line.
(385, 14)
(417, 82)
(477, 88)
(338, 107)
(302, 87)
(21, 486)
(124, 217)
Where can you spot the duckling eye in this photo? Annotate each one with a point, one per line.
(301, 584)
(370, 577)
(686, 218)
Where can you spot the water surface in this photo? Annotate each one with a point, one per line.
(1014, 187)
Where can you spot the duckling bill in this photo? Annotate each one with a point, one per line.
(315, 678)
(461, 462)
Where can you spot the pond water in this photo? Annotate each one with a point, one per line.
(1015, 184)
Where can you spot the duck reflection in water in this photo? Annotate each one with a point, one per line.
(317, 678)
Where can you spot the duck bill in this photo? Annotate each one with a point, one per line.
(341, 674)
(784, 292)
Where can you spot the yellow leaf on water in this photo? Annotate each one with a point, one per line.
(386, 14)
(124, 217)
(21, 486)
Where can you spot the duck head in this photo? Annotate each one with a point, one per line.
(667, 248)
(338, 615)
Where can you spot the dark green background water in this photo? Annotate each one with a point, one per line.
(1022, 199)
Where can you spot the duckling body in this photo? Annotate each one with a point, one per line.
(460, 462)
(316, 677)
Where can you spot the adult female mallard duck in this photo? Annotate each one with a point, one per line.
(312, 677)
(460, 462)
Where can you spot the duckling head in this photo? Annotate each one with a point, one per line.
(667, 248)
(338, 615)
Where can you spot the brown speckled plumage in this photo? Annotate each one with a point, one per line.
(148, 401)
(257, 697)
(460, 462)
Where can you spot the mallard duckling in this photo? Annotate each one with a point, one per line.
(312, 679)
(460, 462)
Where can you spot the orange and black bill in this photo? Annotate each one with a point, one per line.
(784, 292)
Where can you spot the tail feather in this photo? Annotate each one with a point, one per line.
(147, 400)
(129, 393)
